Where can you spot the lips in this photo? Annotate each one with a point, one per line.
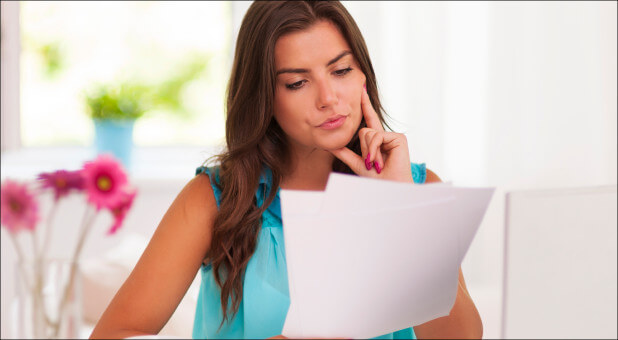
(333, 122)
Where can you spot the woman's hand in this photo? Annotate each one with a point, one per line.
(384, 154)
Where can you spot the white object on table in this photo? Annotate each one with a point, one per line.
(560, 263)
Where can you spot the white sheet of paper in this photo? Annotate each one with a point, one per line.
(471, 203)
(368, 257)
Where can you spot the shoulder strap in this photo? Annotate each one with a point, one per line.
(213, 181)
(419, 172)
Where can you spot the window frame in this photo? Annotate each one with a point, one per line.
(10, 47)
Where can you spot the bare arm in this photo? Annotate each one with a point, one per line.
(166, 269)
(464, 321)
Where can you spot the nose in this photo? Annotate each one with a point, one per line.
(327, 96)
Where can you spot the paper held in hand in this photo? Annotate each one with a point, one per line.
(368, 257)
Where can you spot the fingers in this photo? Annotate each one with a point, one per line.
(371, 141)
(374, 145)
(378, 145)
(376, 148)
(371, 148)
(364, 149)
(393, 140)
(371, 117)
(351, 159)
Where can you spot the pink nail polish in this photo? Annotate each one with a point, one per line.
(367, 163)
(378, 169)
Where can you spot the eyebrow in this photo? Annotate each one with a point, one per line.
(304, 70)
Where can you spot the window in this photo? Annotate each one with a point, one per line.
(69, 48)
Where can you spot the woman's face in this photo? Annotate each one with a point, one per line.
(318, 88)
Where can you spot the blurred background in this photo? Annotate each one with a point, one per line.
(513, 95)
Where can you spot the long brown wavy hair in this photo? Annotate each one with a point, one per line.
(255, 140)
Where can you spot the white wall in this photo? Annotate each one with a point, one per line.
(544, 71)
(514, 95)
(551, 98)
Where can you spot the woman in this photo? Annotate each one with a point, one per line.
(302, 102)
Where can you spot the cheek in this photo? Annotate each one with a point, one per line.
(283, 108)
(354, 92)
(289, 114)
(354, 103)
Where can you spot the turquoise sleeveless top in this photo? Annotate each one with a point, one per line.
(265, 299)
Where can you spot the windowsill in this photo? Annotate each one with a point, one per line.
(149, 163)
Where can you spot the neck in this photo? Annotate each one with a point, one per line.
(309, 170)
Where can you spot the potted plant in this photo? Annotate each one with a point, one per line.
(114, 110)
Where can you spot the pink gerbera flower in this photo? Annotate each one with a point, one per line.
(104, 180)
(62, 181)
(120, 211)
(19, 209)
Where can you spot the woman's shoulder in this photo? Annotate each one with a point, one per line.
(212, 171)
(212, 174)
(196, 199)
(431, 177)
(200, 184)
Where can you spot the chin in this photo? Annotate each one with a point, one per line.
(337, 141)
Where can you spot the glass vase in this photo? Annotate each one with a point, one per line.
(48, 300)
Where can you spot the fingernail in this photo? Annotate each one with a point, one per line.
(378, 169)
(367, 163)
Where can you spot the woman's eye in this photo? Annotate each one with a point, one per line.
(296, 85)
(343, 72)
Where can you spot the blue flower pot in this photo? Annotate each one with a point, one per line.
(115, 137)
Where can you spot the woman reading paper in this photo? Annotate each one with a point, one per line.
(302, 102)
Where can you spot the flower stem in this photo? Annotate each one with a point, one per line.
(84, 232)
(20, 259)
(39, 274)
(48, 228)
(34, 287)
(40, 312)
(86, 226)
(40, 255)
